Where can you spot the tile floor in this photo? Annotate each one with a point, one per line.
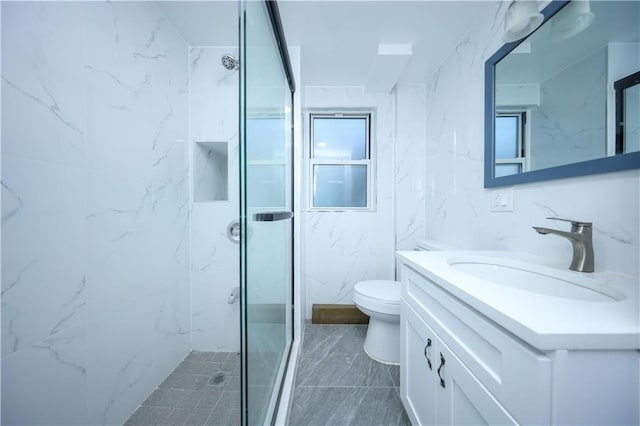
(204, 389)
(338, 384)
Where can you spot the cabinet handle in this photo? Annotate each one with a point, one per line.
(426, 353)
(442, 362)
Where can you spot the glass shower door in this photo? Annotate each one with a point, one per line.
(266, 214)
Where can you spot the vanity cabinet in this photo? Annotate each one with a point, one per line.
(436, 387)
(460, 367)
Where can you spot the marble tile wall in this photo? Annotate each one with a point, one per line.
(457, 205)
(213, 103)
(343, 248)
(95, 253)
(409, 166)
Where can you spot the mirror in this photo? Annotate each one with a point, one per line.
(564, 101)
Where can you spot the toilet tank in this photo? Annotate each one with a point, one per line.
(435, 245)
(428, 245)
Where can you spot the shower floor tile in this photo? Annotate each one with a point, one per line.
(338, 384)
(203, 389)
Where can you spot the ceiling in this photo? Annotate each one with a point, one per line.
(339, 39)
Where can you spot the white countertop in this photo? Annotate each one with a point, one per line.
(545, 322)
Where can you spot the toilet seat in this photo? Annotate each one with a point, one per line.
(381, 296)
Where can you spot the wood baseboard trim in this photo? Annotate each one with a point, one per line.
(337, 314)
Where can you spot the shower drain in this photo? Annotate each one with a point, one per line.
(217, 379)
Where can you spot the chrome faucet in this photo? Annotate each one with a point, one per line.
(581, 237)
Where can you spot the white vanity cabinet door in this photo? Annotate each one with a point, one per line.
(417, 380)
(461, 399)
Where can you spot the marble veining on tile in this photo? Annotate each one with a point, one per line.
(213, 105)
(95, 299)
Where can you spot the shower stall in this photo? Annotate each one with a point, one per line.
(147, 211)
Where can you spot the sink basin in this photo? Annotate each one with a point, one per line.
(537, 279)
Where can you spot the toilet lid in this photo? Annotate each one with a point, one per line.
(383, 290)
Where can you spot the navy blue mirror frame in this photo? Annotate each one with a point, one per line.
(601, 165)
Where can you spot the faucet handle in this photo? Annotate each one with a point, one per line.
(573, 222)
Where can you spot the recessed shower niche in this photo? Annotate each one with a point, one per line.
(210, 171)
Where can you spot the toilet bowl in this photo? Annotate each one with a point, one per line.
(380, 300)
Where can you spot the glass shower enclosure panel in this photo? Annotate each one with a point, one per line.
(266, 214)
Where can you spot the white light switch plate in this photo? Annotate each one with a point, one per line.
(502, 200)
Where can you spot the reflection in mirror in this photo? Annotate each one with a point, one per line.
(628, 114)
(554, 102)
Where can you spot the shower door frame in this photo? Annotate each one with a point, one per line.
(278, 33)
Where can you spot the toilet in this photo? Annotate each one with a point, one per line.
(380, 300)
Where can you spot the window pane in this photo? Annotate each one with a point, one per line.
(507, 169)
(339, 138)
(506, 137)
(339, 186)
(268, 185)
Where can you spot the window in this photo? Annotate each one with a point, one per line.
(340, 161)
(510, 143)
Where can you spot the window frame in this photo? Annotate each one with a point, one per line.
(523, 136)
(368, 162)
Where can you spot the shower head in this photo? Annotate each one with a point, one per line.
(229, 62)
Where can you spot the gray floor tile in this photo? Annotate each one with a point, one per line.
(156, 397)
(171, 380)
(382, 374)
(229, 366)
(185, 397)
(191, 367)
(224, 417)
(338, 384)
(322, 340)
(380, 406)
(219, 379)
(210, 398)
(190, 416)
(325, 405)
(229, 399)
(343, 369)
(337, 406)
(150, 416)
(233, 383)
(333, 356)
(178, 398)
(192, 382)
(208, 356)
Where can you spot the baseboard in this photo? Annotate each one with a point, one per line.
(337, 314)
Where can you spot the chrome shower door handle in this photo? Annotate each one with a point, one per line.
(272, 216)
